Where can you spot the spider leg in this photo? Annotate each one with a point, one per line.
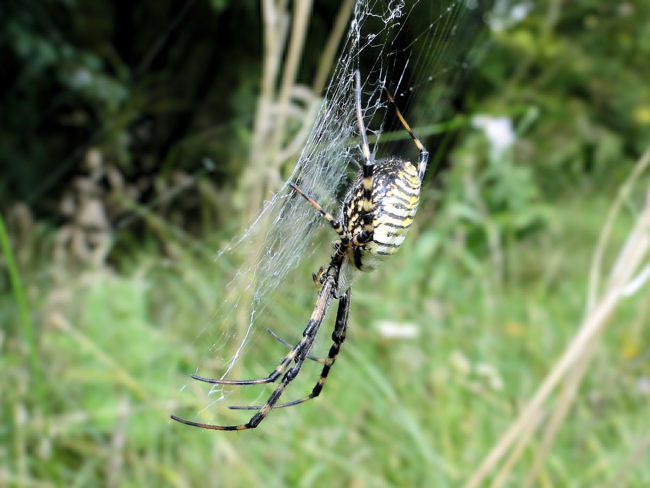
(424, 154)
(338, 336)
(367, 170)
(282, 365)
(298, 354)
(282, 341)
(291, 355)
(336, 225)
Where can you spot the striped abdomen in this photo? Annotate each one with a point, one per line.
(395, 196)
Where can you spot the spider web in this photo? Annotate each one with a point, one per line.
(406, 46)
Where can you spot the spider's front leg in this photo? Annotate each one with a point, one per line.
(366, 211)
(424, 154)
(336, 225)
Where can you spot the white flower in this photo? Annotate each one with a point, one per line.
(505, 15)
(497, 129)
(395, 330)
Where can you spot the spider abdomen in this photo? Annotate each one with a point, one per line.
(395, 197)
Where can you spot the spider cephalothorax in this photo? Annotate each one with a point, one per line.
(374, 218)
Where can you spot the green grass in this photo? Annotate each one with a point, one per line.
(116, 348)
(24, 320)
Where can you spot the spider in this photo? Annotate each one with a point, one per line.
(376, 214)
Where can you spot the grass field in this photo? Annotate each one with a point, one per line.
(113, 347)
(507, 344)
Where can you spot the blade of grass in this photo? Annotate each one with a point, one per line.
(633, 459)
(122, 375)
(23, 316)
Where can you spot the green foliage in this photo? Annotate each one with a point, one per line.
(492, 277)
(130, 80)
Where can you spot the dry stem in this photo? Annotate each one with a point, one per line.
(626, 265)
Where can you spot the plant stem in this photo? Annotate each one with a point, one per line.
(23, 314)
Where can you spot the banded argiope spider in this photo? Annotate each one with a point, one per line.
(374, 218)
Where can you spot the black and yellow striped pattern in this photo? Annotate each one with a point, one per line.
(394, 201)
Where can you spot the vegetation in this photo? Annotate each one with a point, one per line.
(124, 168)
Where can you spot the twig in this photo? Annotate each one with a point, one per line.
(302, 11)
(592, 325)
(567, 395)
(603, 238)
(327, 58)
(502, 476)
(276, 22)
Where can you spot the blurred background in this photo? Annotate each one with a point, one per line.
(130, 154)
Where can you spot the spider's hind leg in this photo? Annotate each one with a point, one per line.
(424, 154)
(290, 346)
(338, 337)
(298, 354)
